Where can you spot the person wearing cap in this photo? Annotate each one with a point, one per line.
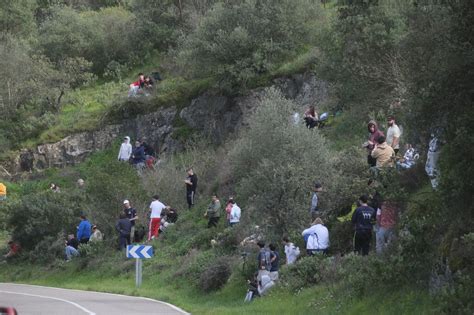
(131, 214)
(125, 150)
(393, 134)
(96, 234)
(314, 210)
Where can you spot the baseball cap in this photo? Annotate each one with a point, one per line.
(126, 201)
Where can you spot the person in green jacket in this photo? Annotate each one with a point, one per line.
(213, 212)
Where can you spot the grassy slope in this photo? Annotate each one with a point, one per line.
(227, 301)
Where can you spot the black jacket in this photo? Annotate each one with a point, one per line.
(124, 226)
(363, 218)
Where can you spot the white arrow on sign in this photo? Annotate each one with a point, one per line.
(139, 251)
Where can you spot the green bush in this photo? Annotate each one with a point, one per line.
(48, 250)
(194, 264)
(238, 41)
(216, 275)
(304, 273)
(98, 36)
(275, 164)
(43, 215)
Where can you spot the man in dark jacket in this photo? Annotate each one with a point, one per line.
(138, 155)
(124, 227)
(363, 220)
(191, 186)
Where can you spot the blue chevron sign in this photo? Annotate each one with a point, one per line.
(139, 251)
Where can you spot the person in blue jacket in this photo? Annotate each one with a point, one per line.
(138, 155)
(84, 230)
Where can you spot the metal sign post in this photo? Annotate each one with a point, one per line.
(138, 272)
(138, 252)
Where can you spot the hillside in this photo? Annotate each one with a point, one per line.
(236, 77)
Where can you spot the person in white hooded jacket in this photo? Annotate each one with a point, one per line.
(125, 150)
(317, 238)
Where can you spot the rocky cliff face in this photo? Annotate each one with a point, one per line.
(214, 116)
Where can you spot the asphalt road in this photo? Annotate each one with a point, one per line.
(31, 299)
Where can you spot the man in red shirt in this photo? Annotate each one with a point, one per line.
(386, 220)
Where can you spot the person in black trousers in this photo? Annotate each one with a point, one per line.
(191, 186)
(363, 220)
(124, 227)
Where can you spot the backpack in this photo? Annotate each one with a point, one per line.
(266, 260)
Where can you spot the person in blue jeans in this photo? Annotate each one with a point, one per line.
(72, 244)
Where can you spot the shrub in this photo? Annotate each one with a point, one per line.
(48, 250)
(304, 273)
(275, 164)
(216, 275)
(98, 36)
(43, 216)
(194, 263)
(237, 41)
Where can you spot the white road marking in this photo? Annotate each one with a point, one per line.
(52, 298)
(114, 294)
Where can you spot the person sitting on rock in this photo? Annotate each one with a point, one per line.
(72, 244)
(409, 158)
(137, 85)
(96, 234)
(311, 117)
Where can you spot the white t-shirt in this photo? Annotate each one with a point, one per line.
(235, 214)
(392, 132)
(291, 253)
(319, 237)
(156, 207)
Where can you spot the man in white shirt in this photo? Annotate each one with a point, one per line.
(393, 134)
(125, 150)
(156, 207)
(317, 238)
(234, 214)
